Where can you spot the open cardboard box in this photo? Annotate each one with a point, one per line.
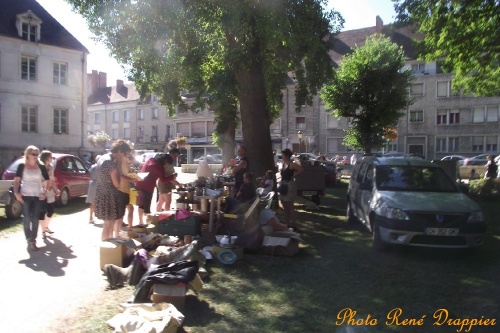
(174, 294)
(119, 252)
(281, 243)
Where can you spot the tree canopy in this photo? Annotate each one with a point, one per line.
(370, 89)
(238, 53)
(464, 35)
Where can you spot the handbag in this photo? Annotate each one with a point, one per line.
(283, 188)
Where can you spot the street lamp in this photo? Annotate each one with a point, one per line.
(299, 134)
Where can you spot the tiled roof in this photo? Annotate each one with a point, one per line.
(346, 41)
(108, 95)
(52, 32)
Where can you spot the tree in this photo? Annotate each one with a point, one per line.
(464, 35)
(370, 89)
(239, 52)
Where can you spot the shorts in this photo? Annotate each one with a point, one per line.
(291, 193)
(144, 200)
(165, 187)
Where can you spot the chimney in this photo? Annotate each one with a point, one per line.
(379, 24)
(119, 85)
(93, 81)
(102, 80)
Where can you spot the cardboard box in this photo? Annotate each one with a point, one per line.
(169, 293)
(281, 243)
(216, 249)
(187, 226)
(119, 252)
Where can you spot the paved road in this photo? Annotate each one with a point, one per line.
(39, 287)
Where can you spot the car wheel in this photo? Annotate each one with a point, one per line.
(14, 209)
(64, 198)
(350, 214)
(377, 242)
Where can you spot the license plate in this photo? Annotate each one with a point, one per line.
(309, 192)
(442, 231)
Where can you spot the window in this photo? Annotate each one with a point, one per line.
(453, 144)
(115, 133)
(126, 133)
(447, 117)
(492, 144)
(454, 116)
(477, 144)
(332, 121)
(275, 127)
(441, 117)
(300, 123)
(154, 133)
(126, 116)
(116, 116)
(478, 115)
(60, 71)
(154, 113)
(418, 68)
(417, 89)
(140, 114)
(97, 118)
(492, 114)
(334, 145)
(29, 32)
(28, 68)
(443, 89)
(416, 116)
(140, 134)
(29, 119)
(440, 145)
(198, 129)
(60, 121)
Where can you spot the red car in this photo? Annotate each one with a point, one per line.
(72, 176)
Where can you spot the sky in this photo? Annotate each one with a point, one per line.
(357, 14)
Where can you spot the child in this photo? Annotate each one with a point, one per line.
(266, 184)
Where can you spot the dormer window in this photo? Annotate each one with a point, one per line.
(28, 26)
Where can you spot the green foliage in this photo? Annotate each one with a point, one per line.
(464, 34)
(370, 89)
(485, 189)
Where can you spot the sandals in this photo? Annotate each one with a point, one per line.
(47, 230)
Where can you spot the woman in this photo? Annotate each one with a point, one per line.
(491, 168)
(52, 192)
(124, 188)
(91, 190)
(108, 204)
(240, 168)
(289, 172)
(165, 189)
(30, 190)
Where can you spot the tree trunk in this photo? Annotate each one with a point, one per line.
(255, 118)
(228, 143)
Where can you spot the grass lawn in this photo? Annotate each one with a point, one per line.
(335, 270)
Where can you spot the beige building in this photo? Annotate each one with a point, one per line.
(42, 82)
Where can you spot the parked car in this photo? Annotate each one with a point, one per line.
(459, 158)
(211, 159)
(477, 160)
(411, 201)
(71, 172)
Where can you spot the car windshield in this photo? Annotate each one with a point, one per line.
(413, 179)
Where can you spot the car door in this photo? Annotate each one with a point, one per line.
(366, 194)
(66, 175)
(82, 177)
(358, 193)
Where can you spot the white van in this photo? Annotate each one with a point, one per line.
(412, 201)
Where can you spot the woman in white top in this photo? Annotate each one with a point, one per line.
(30, 185)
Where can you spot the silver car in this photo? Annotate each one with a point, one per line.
(411, 201)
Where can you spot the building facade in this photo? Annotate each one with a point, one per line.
(42, 82)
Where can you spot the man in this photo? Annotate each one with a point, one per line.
(240, 168)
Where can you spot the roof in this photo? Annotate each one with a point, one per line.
(125, 93)
(52, 32)
(345, 42)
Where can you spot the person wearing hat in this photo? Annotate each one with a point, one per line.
(268, 219)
